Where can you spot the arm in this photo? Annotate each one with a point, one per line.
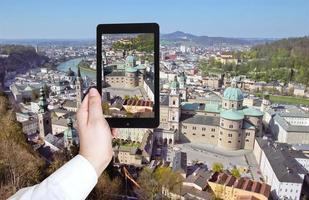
(77, 178)
(74, 180)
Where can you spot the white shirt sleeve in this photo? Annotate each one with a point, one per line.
(74, 180)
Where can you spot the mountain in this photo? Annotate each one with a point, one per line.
(181, 37)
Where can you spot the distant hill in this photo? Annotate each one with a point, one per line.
(285, 60)
(182, 37)
(19, 58)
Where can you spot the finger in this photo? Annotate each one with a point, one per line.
(94, 106)
(115, 132)
(82, 113)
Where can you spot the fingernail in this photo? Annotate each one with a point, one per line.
(93, 92)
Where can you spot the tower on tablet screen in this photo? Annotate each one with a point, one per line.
(127, 75)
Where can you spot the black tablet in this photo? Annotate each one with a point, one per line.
(128, 74)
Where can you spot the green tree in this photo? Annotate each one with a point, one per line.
(235, 172)
(217, 167)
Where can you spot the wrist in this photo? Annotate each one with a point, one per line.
(98, 165)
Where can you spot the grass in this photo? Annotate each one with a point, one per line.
(289, 100)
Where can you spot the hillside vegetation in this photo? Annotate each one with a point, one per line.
(284, 60)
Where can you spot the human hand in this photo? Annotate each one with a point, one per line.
(95, 134)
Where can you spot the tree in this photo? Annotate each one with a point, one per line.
(235, 172)
(126, 97)
(107, 188)
(149, 185)
(217, 167)
(20, 166)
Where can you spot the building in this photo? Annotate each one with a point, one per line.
(128, 75)
(44, 117)
(129, 155)
(228, 125)
(282, 167)
(178, 162)
(288, 124)
(79, 89)
(70, 135)
(226, 186)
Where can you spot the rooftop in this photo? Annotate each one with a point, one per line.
(282, 160)
(200, 119)
(241, 183)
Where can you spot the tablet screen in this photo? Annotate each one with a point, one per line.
(128, 75)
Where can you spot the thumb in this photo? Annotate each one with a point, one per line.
(94, 106)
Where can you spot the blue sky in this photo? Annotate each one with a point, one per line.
(73, 19)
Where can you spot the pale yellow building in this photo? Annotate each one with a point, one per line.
(226, 186)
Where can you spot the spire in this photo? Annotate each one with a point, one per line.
(69, 122)
(78, 72)
(42, 101)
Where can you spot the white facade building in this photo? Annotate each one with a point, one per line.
(280, 168)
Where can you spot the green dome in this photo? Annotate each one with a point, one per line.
(131, 69)
(141, 67)
(233, 93)
(232, 114)
(174, 84)
(252, 112)
(130, 59)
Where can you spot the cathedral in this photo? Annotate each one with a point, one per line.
(228, 125)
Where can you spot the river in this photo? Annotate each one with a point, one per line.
(73, 63)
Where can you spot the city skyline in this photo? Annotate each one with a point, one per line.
(240, 19)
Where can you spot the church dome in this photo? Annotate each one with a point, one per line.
(130, 59)
(131, 69)
(232, 114)
(174, 84)
(141, 67)
(233, 94)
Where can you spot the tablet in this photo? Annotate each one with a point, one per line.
(128, 74)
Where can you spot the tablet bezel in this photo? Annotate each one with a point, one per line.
(131, 28)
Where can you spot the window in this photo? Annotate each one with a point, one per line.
(230, 135)
(220, 139)
(221, 133)
(229, 142)
(173, 118)
(232, 105)
(194, 127)
(185, 127)
(247, 133)
(203, 134)
(222, 124)
(230, 126)
(193, 134)
(203, 129)
(238, 141)
(174, 102)
(247, 140)
(184, 133)
(225, 104)
(213, 130)
(212, 136)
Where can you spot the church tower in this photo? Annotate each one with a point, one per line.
(79, 89)
(44, 117)
(174, 105)
(70, 135)
(183, 86)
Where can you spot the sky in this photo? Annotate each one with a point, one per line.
(77, 19)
